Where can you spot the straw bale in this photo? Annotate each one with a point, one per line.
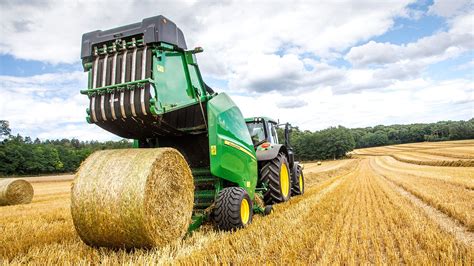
(15, 191)
(132, 198)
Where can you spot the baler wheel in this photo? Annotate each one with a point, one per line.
(275, 173)
(298, 184)
(233, 209)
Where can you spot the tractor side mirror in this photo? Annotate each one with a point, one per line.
(197, 50)
(190, 55)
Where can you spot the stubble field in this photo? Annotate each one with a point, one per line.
(403, 204)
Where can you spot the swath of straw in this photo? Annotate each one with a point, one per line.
(454, 163)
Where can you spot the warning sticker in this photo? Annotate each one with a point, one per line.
(213, 150)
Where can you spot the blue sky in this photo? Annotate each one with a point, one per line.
(332, 63)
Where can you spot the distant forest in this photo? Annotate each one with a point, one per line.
(335, 142)
(23, 156)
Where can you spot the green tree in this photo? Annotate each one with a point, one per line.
(461, 130)
(11, 158)
(5, 130)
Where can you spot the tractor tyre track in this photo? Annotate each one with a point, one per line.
(445, 222)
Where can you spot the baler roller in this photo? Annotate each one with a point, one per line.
(120, 101)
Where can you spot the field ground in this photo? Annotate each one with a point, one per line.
(399, 204)
(446, 153)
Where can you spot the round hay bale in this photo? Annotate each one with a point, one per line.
(15, 191)
(132, 198)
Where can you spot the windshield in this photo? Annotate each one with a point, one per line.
(257, 131)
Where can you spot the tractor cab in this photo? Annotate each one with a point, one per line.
(262, 130)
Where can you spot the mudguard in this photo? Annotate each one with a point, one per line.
(271, 152)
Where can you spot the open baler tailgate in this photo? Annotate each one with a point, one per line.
(125, 97)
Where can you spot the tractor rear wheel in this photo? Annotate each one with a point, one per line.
(233, 209)
(276, 175)
(298, 182)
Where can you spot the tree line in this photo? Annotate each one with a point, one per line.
(335, 142)
(23, 156)
(398, 134)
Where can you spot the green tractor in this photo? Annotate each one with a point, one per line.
(144, 84)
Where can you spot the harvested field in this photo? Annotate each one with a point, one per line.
(450, 153)
(371, 209)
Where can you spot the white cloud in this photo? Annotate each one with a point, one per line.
(373, 53)
(241, 38)
(48, 106)
(291, 103)
(276, 60)
(413, 101)
(231, 31)
(449, 8)
(431, 49)
(287, 74)
(50, 116)
(384, 64)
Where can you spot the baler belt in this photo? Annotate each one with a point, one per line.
(121, 67)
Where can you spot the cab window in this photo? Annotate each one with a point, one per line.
(273, 133)
(257, 131)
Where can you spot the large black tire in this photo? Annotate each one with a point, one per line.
(297, 187)
(278, 183)
(231, 211)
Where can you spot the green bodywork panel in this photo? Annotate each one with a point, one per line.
(177, 81)
(232, 154)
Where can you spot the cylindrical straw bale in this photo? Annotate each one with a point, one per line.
(15, 191)
(132, 198)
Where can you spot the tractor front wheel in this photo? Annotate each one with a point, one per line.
(233, 209)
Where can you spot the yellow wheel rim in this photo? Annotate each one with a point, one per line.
(301, 183)
(244, 211)
(284, 181)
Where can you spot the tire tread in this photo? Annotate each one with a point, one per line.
(270, 174)
(227, 211)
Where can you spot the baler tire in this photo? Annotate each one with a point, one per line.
(228, 212)
(270, 175)
(298, 183)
